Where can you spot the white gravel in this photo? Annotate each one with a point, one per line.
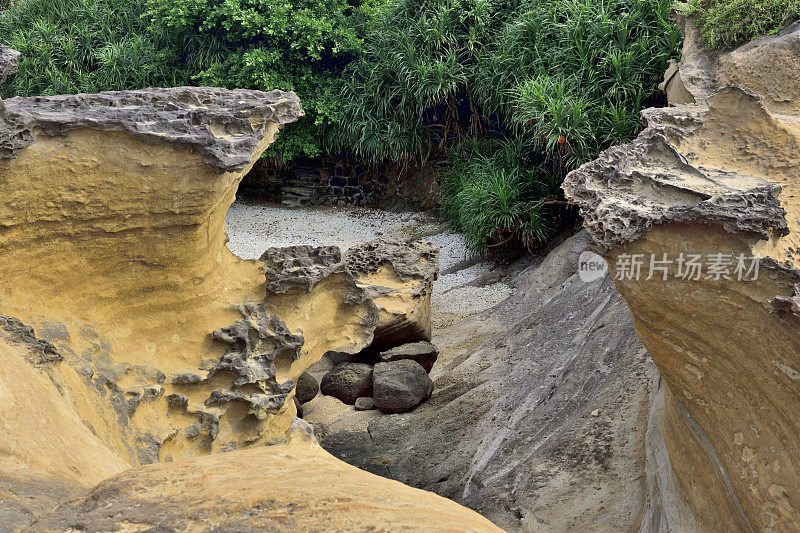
(253, 227)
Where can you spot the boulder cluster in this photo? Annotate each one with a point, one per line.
(394, 381)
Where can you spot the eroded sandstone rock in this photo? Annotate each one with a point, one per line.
(143, 339)
(47, 454)
(113, 249)
(294, 486)
(716, 178)
(399, 278)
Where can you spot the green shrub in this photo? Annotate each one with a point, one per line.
(729, 23)
(562, 79)
(489, 187)
(71, 46)
(294, 45)
(505, 96)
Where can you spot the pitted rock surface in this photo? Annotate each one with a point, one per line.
(224, 126)
(716, 177)
(300, 266)
(254, 344)
(631, 188)
(397, 277)
(8, 62)
(416, 260)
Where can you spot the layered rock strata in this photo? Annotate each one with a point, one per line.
(137, 333)
(291, 486)
(112, 248)
(544, 416)
(698, 220)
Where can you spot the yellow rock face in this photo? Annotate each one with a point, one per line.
(295, 486)
(716, 183)
(129, 334)
(90, 260)
(46, 453)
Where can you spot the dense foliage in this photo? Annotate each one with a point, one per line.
(294, 45)
(503, 96)
(71, 46)
(729, 23)
(557, 81)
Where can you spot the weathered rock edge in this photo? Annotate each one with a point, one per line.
(223, 126)
(716, 174)
(8, 62)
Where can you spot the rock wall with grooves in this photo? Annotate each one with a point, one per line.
(698, 219)
(141, 338)
(112, 250)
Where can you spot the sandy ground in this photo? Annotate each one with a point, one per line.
(462, 289)
(465, 286)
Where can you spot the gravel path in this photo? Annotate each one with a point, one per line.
(255, 226)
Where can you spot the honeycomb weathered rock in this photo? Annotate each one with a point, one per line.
(717, 179)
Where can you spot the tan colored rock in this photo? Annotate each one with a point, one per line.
(396, 279)
(113, 249)
(295, 486)
(46, 453)
(719, 176)
(399, 278)
(130, 334)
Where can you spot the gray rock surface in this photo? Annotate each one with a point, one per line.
(40, 351)
(300, 266)
(299, 407)
(400, 386)
(8, 62)
(254, 344)
(307, 388)
(365, 403)
(223, 126)
(424, 353)
(348, 382)
(508, 430)
(415, 260)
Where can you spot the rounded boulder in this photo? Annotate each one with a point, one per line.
(348, 382)
(400, 386)
(307, 388)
